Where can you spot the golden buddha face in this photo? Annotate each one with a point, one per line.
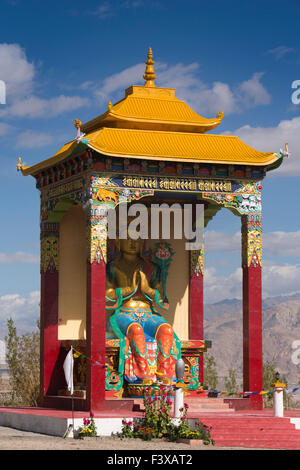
(130, 246)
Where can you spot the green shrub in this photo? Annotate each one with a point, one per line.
(23, 360)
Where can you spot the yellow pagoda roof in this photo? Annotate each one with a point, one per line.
(151, 123)
(180, 146)
(151, 107)
(161, 145)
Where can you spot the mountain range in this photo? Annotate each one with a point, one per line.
(281, 328)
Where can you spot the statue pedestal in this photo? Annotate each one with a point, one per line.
(138, 390)
(117, 387)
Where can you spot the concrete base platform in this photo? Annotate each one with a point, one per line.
(57, 422)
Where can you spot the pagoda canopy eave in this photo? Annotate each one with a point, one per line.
(192, 147)
(162, 145)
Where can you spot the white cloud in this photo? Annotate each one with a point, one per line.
(280, 51)
(217, 288)
(207, 98)
(272, 139)
(119, 81)
(16, 71)
(5, 129)
(31, 139)
(35, 107)
(21, 100)
(19, 257)
(253, 93)
(276, 280)
(282, 243)
(277, 243)
(107, 9)
(219, 241)
(200, 96)
(280, 279)
(103, 11)
(24, 310)
(17, 306)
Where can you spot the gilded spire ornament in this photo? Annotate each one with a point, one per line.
(149, 75)
(77, 125)
(20, 165)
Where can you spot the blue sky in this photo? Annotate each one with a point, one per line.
(66, 60)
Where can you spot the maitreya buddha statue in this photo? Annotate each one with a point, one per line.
(134, 286)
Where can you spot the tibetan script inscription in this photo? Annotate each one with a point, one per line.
(65, 188)
(182, 184)
(215, 186)
(140, 182)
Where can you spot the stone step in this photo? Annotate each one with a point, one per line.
(245, 427)
(247, 420)
(195, 406)
(204, 400)
(260, 444)
(195, 402)
(210, 410)
(256, 435)
(246, 431)
(208, 405)
(253, 432)
(140, 408)
(233, 422)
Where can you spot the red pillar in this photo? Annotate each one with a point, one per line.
(50, 346)
(96, 335)
(196, 302)
(51, 373)
(252, 308)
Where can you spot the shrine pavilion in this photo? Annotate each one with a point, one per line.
(149, 146)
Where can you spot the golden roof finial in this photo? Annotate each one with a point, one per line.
(220, 115)
(149, 75)
(77, 125)
(20, 166)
